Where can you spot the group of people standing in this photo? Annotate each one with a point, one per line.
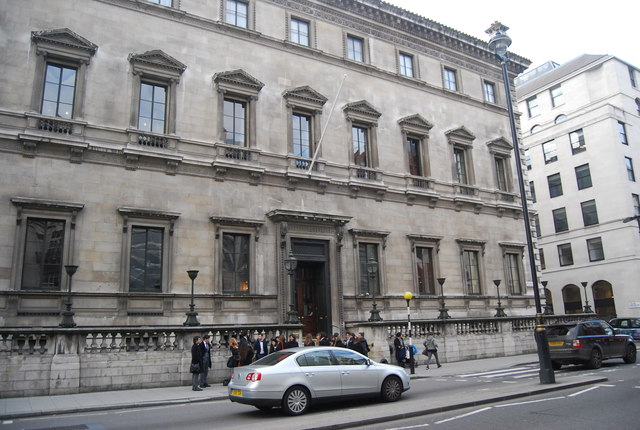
(401, 350)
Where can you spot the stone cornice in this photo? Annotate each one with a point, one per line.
(278, 215)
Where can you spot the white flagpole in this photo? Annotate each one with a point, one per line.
(324, 129)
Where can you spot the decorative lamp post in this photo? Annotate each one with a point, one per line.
(290, 264)
(408, 296)
(372, 271)
(192, 315)
(499, 310)
(444, 314)
(499, 44)
(587, 308)
(67, 316)
(548, 309)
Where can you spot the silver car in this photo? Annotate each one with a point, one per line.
(294, 378)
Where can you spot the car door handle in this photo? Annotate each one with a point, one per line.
(345, 372)
(309, 374)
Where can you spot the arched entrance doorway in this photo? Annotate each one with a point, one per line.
(603, 298)
(572, 299)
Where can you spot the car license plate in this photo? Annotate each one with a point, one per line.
(556, 343)
(236, 393)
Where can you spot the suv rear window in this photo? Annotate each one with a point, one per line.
(560, 330)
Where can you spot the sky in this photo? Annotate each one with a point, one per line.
(544, 30)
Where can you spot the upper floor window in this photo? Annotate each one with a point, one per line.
(636, 203)
(425, 270)
(461, 141)
(565, 254)
(549, 151)
(360, 141)
(235, 263)
(555, 185)
(560, 220)
(527, 159)
(300, 31)
(532, 191)
(514, 271)
(583, 176)
(472, 252)
(304, 105)
(168, 3)
(368, 252)
(363, 119)
(594, 247)
(576, 138)
(152, 109)
(630, 173)
(501, 173)
(489, 91)
(413, 153)
(536, 223)
(415, 132)
(237, 13)
(406, 65)
(235, 122)
(460, 163)
(632, 77)
(355, 48)
(59, 91)
(589, 212)
(622, 130)
(532, 107)
(536, 128)
(301, 130)
(557, 98)
(560, 118)
(543, 263)
(450, 79)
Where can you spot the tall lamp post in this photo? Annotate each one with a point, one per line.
(408, 296)
(372, 271)
(548, 309)
(290, 264)
(499, 310)
(500, 43)
(444, 315)
(67, 315)
(587, 308)
(192, 315)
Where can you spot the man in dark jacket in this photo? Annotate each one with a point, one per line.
(205, 365)
(360, 344)
(246, 351)
(400, 349)
(292, 342)
(261, 347)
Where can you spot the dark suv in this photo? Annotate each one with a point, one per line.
(588, 342)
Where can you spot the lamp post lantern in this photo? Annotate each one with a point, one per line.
(192, 315)
(587, 308)
(499, 310)
(290, 264)
(548, 309)
(67, 315)
(444, 314)
(499, 44)
(372, 271)
(408, 296)
(631, 218)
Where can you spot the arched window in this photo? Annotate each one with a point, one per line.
(572, 299)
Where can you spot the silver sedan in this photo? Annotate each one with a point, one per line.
(294, 378)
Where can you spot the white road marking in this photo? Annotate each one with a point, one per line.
(509, 373)
(530, 401)
(469, 375)
(583, 391)
(464, 415)
(509, 382)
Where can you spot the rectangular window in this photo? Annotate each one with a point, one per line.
(237, 13)
(514, 281)
(43, 250)
(576, 138)
(532, 190)
(536, 224)
(583, 176)
(355, 48)
(153, 102)
(489, 92)
(549, 151)
(360, 140)
(59, 91)
(413, 152)
(460, 165)
(622, 130)
(471, 264)
(630, 174)
(300, 31)
(560, 220)
(235, 122)
(424, 269)
(636, 203)
(632, 77)
(555, 185)
(594, 246)
(450, 79)
(162, 2)
(557, 98)
(145, 264)
(235, 263)
(406, 65)
(589, 212)
(368, 285)
(301, 127)
(532, 107)
(501, 173)
(565, 255)
(543, 264)
(527, 159)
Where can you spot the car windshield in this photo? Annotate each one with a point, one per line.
(626, 323)
(560, 330)
(273, 358)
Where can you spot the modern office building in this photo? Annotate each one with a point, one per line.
(581, 130)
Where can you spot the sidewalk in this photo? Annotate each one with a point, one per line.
(20, 407)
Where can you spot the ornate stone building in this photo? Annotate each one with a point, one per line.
(141, 139)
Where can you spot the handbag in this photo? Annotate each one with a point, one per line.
(232, 362)
(195, 368)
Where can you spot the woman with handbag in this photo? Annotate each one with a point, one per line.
(234, 360)
(196, 362)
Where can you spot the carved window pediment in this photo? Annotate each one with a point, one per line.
(157, 63)
(237, 81)
(63, 43)
(500, 146)
(460, 136)
(305, 97)
(415, 124)
(361, 111)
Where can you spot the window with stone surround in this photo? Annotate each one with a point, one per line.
(489, 91)
(300, 31)
(415, 134)
(237, 13)
(424, 250)
(304, 106)
(461, 141)
(369, 245)
(501, 151)
(363, 121)
(405, 65)
(450, 79)
(355, 48)
(512, 255)
(472, 256)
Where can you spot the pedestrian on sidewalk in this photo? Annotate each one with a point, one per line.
(234, 360)
(196, 363)
(360, 344)
(431, 348)
(399, 348)
(205, 347)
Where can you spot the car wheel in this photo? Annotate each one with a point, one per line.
(555, 365)
(296, 401)
(391, 389)
(595, 361)
(630, 356)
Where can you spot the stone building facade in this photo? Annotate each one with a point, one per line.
(581, 130)
(141, 139)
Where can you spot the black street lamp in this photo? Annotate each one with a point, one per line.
(192, 315)
(631, 218)
(408, 296)
(500, 43)
(499, 310)
(290, 264)
(587, 308)
(372, 271)
(444, 315)
(548, 309)
(67, 316)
